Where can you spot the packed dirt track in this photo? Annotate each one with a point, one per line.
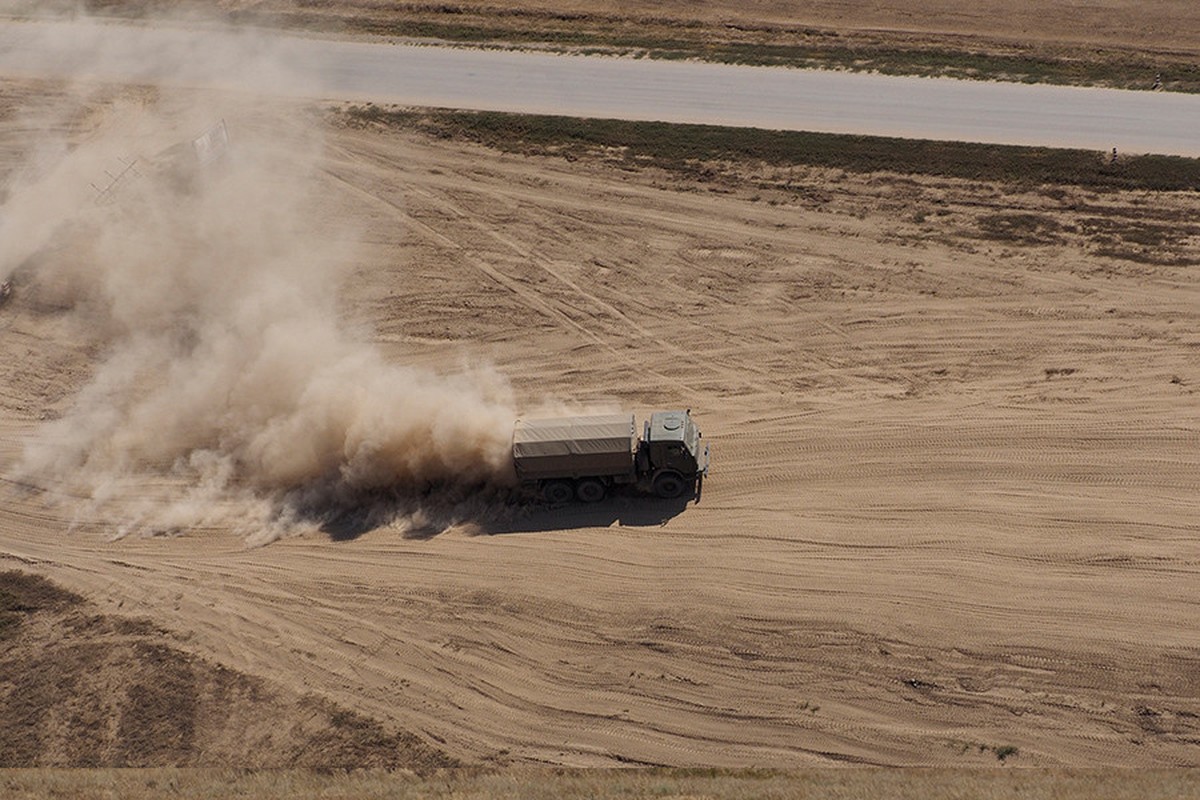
(952, 514)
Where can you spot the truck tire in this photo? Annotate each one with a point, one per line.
(590, 490)
(558, 493)
(669, 485)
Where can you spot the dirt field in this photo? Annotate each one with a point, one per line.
(1157, 24)
(951, 519)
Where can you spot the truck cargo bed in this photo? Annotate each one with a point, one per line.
(575, 447)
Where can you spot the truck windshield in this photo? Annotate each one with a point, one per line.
(691, 437)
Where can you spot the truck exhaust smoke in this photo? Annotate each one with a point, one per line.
(209, 295)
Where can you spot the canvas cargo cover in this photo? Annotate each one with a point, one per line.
(572, 447)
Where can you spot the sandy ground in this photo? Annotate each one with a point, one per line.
(953, 504)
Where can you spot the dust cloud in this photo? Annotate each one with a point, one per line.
(209, 293)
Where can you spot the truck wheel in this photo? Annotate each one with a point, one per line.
(590, 491)
(669, 485)
(557, 493)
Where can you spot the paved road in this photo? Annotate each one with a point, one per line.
(609, 87)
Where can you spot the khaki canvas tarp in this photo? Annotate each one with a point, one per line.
(574, 446)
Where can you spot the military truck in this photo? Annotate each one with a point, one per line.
(588, 457)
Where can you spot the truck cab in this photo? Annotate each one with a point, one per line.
(674, 456)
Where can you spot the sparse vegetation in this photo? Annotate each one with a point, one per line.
(1078, 193)
(1005, 752)
(1140, 241)
(1020, 228)
(1001, 752)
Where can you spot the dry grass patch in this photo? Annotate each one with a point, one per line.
(696, 151)
(79, 689)
(22, 595)
(850, 39)
(847, 784)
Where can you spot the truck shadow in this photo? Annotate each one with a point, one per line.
(631, 512)
(487, 512)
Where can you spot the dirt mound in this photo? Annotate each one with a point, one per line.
(81, 689)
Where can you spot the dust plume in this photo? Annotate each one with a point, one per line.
(224, 367)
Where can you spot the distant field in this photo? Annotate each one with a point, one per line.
(1116, 43)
